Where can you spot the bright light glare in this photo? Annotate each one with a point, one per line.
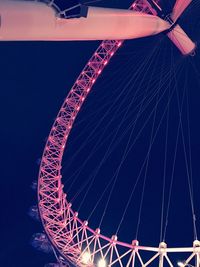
(102, 263)
(85, 258)
(180, 264)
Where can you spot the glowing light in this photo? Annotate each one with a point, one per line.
(102, 263)
(99, 71)
(93, 81)
(180, 264)
(106, 62)
(85, 258)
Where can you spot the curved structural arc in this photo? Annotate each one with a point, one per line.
(72, 237)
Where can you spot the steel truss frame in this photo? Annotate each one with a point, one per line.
(69, 235)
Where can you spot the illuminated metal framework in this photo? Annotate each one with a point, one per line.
(73, 238)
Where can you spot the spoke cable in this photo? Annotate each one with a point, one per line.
(109, 147)
(165, 159)
(173, 168)
(149, 150)
(128, 143)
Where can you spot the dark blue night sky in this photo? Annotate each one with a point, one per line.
(35, 78)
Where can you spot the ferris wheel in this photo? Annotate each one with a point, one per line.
(74, 240)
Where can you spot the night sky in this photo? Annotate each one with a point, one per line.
(36, 77)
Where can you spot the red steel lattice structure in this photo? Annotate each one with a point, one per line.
(73, 238)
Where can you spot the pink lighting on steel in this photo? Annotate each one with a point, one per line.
(70, 235)
(66, 231)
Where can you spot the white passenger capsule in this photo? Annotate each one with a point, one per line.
(28, 20)
(32, 20)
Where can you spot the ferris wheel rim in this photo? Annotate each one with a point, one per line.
(134, 246)
(74, 215)
(117, 44)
